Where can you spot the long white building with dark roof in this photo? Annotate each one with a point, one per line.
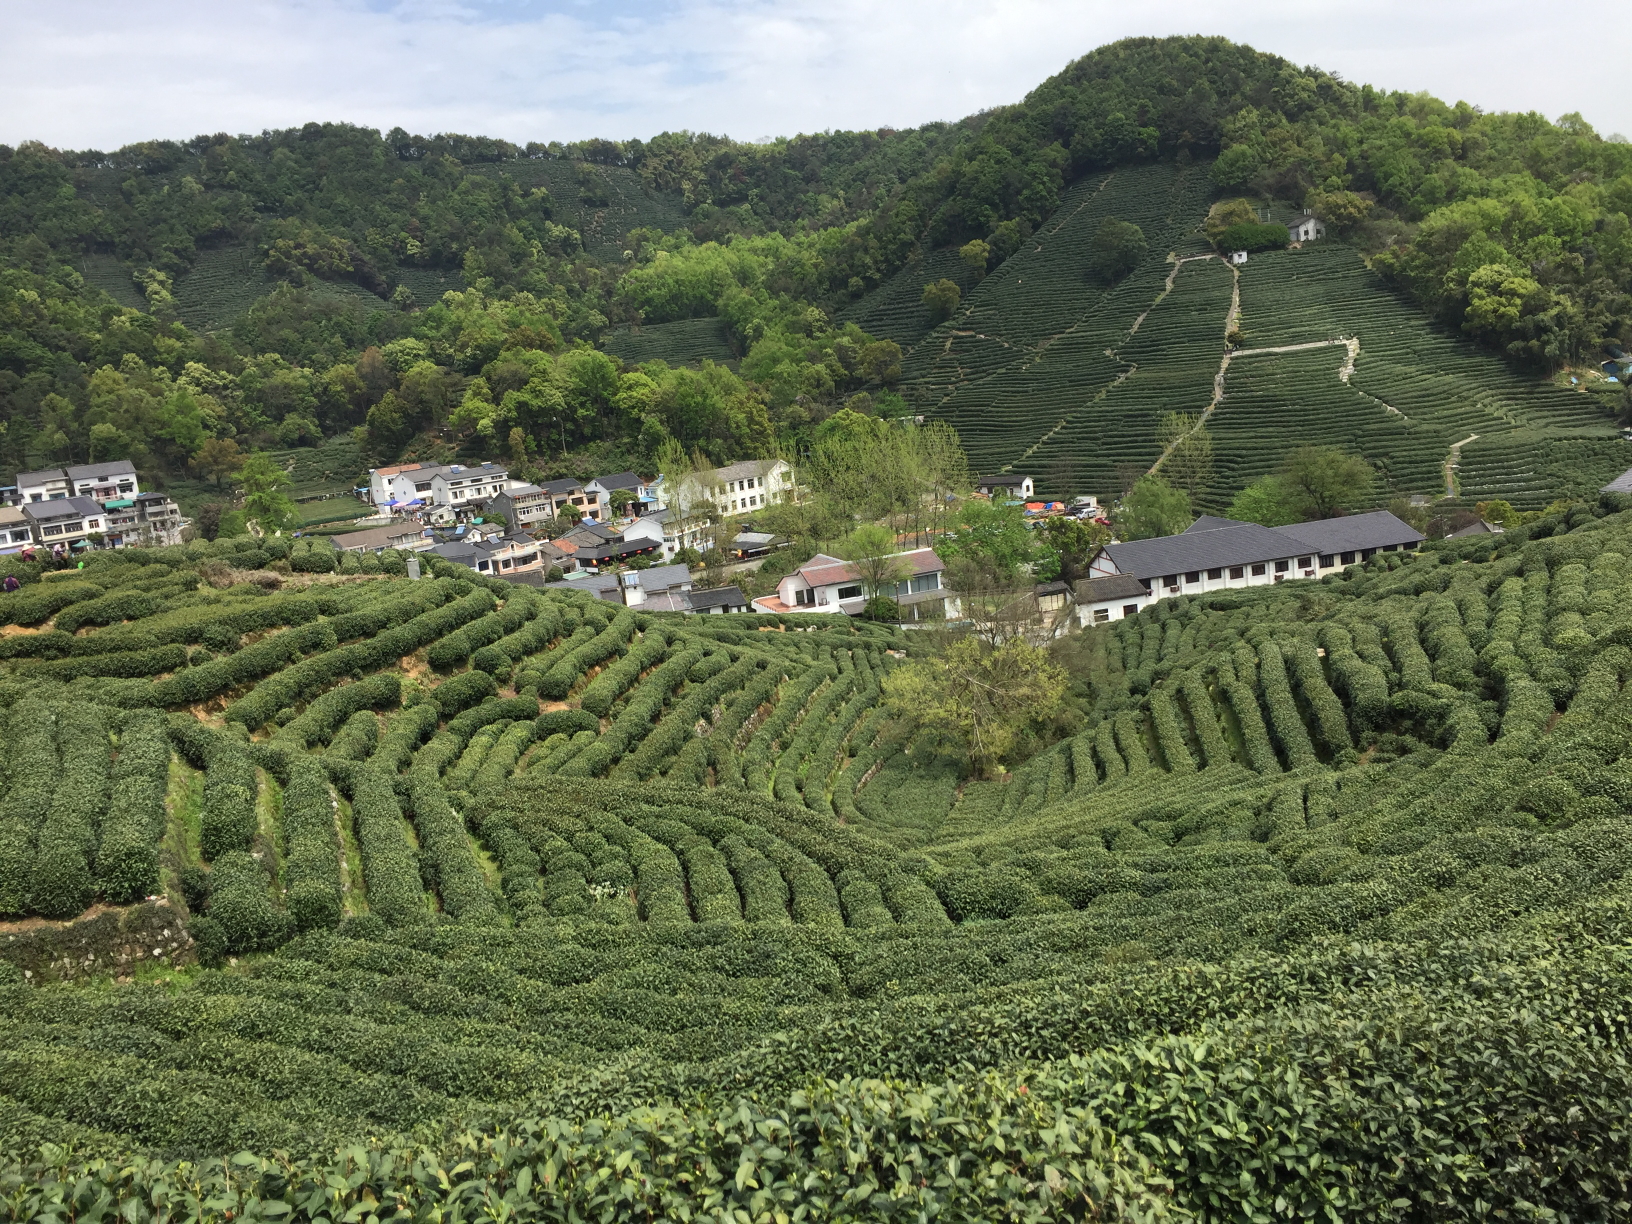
(1215, 554)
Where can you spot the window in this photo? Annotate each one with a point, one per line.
(1327, 560)
(1171, 580)
(850, 592)
(423, 488)
(1237, 571)
(1258, 570)
(1305, 562)
(1388, 547)
(1367, 553)
(1101, 615)
(1348, 558)
(93, 524)
(1282, 566)
(801, 598)
(1193, 576)
(926, 582)
(1213, 575)
(1130, 609)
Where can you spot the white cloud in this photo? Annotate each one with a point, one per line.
(92, 73)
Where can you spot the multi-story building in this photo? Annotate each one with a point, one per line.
(643, 491)
(15, 532)
(48, 484)
(102, 482)
(148, 520)
(65, 520)
(522, 505)
(453, 486)
(568, 492)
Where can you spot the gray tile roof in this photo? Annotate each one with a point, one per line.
(1117, 586)
(113, 467)
(1621, 483)
(619, 480)
(1249, 544)
(1353, 532)
(1183, 553)
(744, 470)
(718, 597)
(43, 476)
(1211, 522)
(564, 485)
(62, 507)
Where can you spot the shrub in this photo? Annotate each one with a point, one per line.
(241, 905)
(311, 866)
(127, 858)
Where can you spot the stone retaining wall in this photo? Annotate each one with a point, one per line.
(114, 940)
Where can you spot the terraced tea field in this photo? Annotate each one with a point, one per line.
(603, 203)
(683, 342)
(1043, 370)
(515, 887)
(112, 275)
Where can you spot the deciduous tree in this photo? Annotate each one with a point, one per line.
(977, 696)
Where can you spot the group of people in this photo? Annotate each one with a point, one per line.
(59, 558)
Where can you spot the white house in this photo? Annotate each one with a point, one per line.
(830, 584)
(453, 486)
(65, 520)
(15, 532)
(1215, 554)
(458, 486)
(1238, 257)
(741, 488)
(48, 484)
(1020, 488)
(1306, 227)
(383, 487)
(643, 491)
(147, 520)
(1106, 599)
(102, 481)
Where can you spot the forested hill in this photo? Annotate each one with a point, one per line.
(284, 287)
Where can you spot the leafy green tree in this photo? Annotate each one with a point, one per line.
(979, 697)
(1187, 451)
(218, 459)
(1115, 250)
(1266, 500)
(1068, 547)
(1251, 236)
(991, 534)
(942, 298)
(263, 482)
(977, 254)
(1152, 508)
(1324, 481)
(870, 549)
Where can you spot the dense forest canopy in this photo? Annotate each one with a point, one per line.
(1510, 227)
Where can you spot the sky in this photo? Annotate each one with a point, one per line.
(99, 74)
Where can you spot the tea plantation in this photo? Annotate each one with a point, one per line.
(510, 903)
(1045, 369)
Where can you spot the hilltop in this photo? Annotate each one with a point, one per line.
(292, 286)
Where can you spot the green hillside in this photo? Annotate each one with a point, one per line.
(1331, 882)
(1044, 369)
